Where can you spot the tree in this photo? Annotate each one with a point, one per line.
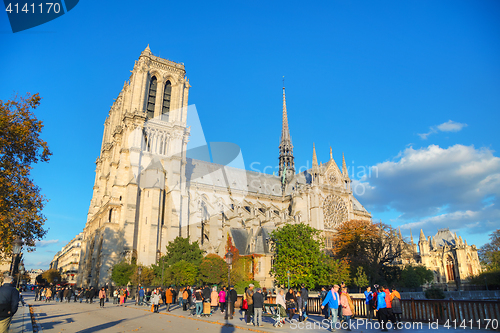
(375, 247)
(213, 269)
(416, 276)
(490, 252)
(21, 201)
(183, 273)
(181, 249)
(145, 278)
(333, 271)
(361, 280)
(122, 272)
(51, 275)
(297, 248)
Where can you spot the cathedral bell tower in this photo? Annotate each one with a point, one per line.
(287, 165)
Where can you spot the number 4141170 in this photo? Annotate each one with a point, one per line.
(487, 324)
(40, 8)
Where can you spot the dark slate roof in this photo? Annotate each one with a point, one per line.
(444, 237)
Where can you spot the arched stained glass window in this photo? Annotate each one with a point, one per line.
(166, 100)
(152, 97)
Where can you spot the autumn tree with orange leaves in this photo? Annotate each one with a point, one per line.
(372, 246)
(21, 201)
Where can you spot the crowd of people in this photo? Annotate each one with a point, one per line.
(336, 303)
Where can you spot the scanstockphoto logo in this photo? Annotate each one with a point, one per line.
(25, 15)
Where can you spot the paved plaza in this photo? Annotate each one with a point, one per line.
(82, 317)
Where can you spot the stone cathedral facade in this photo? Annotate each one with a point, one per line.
(149, 189)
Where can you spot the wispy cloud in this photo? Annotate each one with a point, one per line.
(449, 126)
(44, 243)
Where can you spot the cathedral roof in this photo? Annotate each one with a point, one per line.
(444, 237)
(213, 174)
(357, 205)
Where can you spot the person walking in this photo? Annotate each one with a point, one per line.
(304, 293)
(155, 298)
(322, 296)
(249, 297)
(291, 303)
(258, 304)
(347, 306)
(48, 294)
(332, 299)
(185, 298)
(390, 314)
(168, 298)
(382, 309)
(214, 299)
(122, 296)
(141, 296)
(9, 302)
(198, 296)
(368, 298)
(222, 299)
(396, 304)
(231, 300)
(102, 297)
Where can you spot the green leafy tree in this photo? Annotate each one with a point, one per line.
(122, 272)
(145, 278)
(213, 269)
(297, 248)
(333, 271)
(182, 273)
(21, 201)
(361, 280)
(51, 275)
(489, 254)
(240, 286)
(181, 249)
(416, 276)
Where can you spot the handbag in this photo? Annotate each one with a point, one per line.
(244, 306)
(152, 308)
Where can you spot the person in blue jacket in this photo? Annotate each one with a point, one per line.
(368, 297)
(333, 300)
(382, 309)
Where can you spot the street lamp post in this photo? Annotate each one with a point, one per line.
(139, 270)
(17, 244)
(288, 275)
(229, 261)
(21, 272)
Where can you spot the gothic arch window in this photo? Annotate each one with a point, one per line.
(152, 97)
(167, 94)
(450, 269)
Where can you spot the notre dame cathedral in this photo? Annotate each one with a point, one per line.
(149, 189)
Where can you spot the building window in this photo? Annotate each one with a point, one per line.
(152, 97)
(167, 94)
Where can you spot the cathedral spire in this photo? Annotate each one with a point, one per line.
(147, 51)
(411, 236)
(331, 153)
(315, 158)
(422, 236)
(287, 165)
(345, 173)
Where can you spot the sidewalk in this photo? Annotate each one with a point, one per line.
(21, 322)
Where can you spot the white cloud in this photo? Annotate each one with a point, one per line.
(449, 126)
(44, 243)
(455, 187)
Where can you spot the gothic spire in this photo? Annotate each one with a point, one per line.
(345, 173)
(411, 236)
(287, 165)
(331, 153)
(315, 158)
(422, 236)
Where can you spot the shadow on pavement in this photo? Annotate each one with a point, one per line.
(102, 326)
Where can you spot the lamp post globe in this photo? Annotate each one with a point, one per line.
(17, 244)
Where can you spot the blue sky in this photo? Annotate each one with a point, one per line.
(409, 87)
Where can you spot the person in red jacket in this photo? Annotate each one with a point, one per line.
(102, 297)
(390, 314)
